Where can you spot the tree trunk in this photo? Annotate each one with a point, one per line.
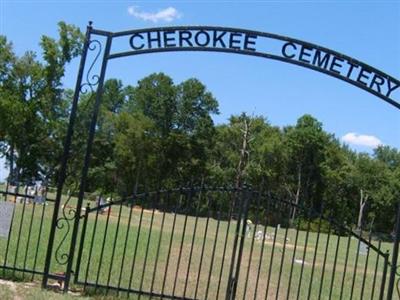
(297, 195)
(244, 153)
(363, 202)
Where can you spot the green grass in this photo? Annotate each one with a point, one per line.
(109, 266)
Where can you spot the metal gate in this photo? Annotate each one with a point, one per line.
(180, 244)
(224, 244)
(26, 220)
(262, 253)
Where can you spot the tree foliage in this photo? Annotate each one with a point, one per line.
(160, 134)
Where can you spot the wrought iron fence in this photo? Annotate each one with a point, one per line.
(224, 243)
(23, 242)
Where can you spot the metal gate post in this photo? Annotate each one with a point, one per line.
(86, 164)
(247, 194)
(395, 254)
(237, 253)
(65, 156)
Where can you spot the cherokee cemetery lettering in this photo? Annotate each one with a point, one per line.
(341, 66)
(219, 39)
(197, 38)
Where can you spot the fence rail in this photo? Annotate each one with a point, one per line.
(224, 243)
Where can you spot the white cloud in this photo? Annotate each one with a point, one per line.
(167, 15)
(361, 140)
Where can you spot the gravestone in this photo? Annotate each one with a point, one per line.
(39, 199)
(363, 249)
(6, 212)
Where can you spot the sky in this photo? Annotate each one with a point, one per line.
(366, 30)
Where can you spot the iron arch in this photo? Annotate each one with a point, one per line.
(259, 44)
(208, 39)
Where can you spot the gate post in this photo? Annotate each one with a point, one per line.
(237, 253)
(65, 156)
(395, 254)
(86, 163)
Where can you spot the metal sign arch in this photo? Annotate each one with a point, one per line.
(206, 39)
(247, 42)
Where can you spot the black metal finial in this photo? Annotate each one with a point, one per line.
(90, 23)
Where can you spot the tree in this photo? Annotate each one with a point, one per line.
(33, 104)
(305, 144)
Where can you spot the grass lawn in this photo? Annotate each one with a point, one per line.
(188, 256)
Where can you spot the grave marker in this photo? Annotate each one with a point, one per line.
(6, 212)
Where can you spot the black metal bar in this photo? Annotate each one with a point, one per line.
(202, 248)
(247, 200)
(22, 195)
(170, 243)
(283, 257)
(385, 266)
(19, 231)
(315, 257)
(213, 253)
(21, 270)
(251, 246)
(126, 241)
(271, 261)
(293, 259)
(376, 270)
(355, 267)
(101, 32)
(159, 243)
(39, 236)
(9, 239)
(345, 267)
(193, 239)
(231, 207)
(325, 258)
(365, 267)
(334, 266)
(266, 221)
(231, 279)
(180, 248)
(29, 235)
(91, 246)
(81, 244)
(114, 246)
(147, 245)
(141, 195)
(87, 163)
(304, 255)
(136, 247)
(64, 158)
(102, 247)
(395, 255)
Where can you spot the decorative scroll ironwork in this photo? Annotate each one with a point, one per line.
(69, 213)
(92, 79)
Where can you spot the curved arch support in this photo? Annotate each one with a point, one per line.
(260, 44)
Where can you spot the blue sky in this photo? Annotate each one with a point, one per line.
(366, 30)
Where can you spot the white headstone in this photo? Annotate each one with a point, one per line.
(6, 212)
(363, 249)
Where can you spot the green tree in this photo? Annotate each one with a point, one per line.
(305, 144)
(33, 103)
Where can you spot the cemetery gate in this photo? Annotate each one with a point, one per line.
(197, 242)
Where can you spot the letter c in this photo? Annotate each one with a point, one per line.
(284, 53)
(141, 46)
